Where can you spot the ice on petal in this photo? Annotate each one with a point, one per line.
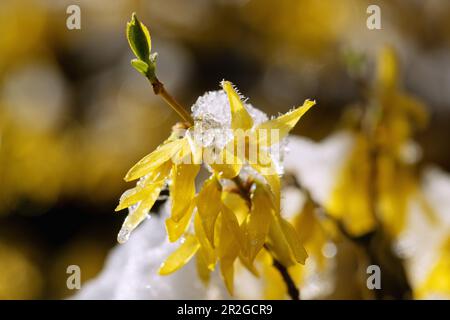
(124, 235)
(212, 117)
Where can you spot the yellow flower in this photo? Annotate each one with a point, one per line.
(153, 171)
(226, 229)
(400, 116)
(255, 140)
(313, 232)
(350, 199)
(378, 181)
(233, 219)
(229, 222)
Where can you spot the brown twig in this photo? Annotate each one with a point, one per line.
(293, 291)
(159, 89)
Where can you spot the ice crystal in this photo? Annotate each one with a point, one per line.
(212, 116)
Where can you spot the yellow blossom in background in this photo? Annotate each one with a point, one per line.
(350, 200)
(312, 232)
(22, 151)
(378, 181)
(400, 115)
(437, 283)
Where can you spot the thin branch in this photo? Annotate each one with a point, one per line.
(159, 89)
(293, 291)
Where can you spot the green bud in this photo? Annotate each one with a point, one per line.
(140, 66)
(139, 39)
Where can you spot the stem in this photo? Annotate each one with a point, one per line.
(159, 89)
(293, 291)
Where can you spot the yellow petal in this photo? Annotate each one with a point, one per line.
(209, 205)
(275, 185)
(270, 174)
(181, 256)
(230, 222)
(229, 164)
(250, 266)
(187, 153)
(240, 118)
(136, 216)
(278, 244)
(294, 242)
(311, 232)
(264, 165)
(387, 68)
(256, 226)
(206, 249)
(133, 196)
(273, 131)
(269, 171)
(227, 272)
(204, 273)
(236, 204)
(175, 229)
(182, 189)
(396, 188)
(350, 198)
(305, 222)
(228, 250)
(162, 154)
(145, 188)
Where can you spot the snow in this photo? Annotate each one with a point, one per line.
(130, 271)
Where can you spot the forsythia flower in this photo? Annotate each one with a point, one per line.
(236, 212)
(350, 200)
(228, 223)
(392, 122)
(313, 232)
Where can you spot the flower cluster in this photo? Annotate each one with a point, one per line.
(235, 214)
(379, 179)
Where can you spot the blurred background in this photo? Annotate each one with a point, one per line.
(74, 115)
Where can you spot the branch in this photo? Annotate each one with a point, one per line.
(293, 291)
(159, 89)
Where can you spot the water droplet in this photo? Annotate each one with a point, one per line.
(124, 235)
